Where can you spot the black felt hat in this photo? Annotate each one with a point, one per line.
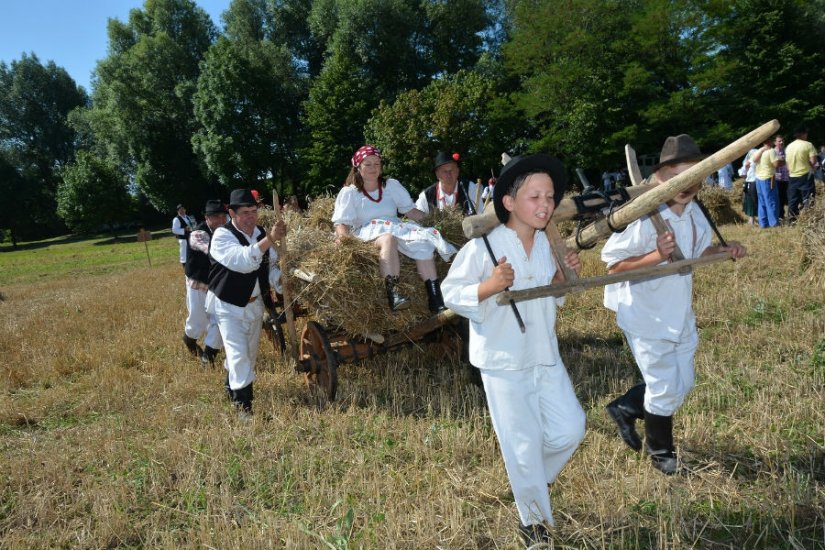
(214, 206)
(679, 149)
(241, 197)
(526, 165)
(443, 158)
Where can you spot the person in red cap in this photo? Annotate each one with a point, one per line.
(368, 208)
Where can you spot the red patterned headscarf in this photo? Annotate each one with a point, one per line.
(364, 152)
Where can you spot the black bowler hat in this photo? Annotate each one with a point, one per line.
(678, 149)
(214, 206)
(241, 197)
(527, 165)
(443, 158)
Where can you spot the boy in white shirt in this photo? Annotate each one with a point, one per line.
(656, 314)
(536, 416)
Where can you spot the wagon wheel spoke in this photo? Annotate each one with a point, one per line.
(315, 348)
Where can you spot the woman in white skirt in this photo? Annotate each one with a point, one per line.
(368, 208)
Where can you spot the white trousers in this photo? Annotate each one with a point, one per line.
(199, 322)
(182, 252)
(667, 368)
(241, 338)
(539, 424)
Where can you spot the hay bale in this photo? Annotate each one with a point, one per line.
(719, 203)
(811, 222)
(348, 292)
(448, 223)
(319, 213)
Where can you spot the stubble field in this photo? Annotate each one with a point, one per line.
(111, 436)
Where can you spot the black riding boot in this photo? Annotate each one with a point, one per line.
(533, 534)
(208, 356)
(242, 399)
(625, 410)
(192, 345)
(396, 300)
(435, 300)
(659, 443)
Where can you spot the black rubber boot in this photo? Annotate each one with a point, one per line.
(435, 300)
(396, 300)
(192, 345)
(533, 534)
(659, 443)
(208, 356)
(226, 388)
(625, 410)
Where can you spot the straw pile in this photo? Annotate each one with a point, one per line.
(448, 222)
(811, 223)
(347, 291)
(718, 201)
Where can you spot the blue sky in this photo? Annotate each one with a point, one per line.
(72, 33)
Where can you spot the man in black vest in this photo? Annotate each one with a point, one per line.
(244, 268)
(449, 190)
(199, 322)
(182, 225)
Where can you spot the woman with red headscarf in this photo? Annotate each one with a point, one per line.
(368, 208)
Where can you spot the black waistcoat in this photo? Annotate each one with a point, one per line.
(197, 262)
(183, 224)
(462, 199)
(233, 287)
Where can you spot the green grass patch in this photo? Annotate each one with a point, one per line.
(73, 257)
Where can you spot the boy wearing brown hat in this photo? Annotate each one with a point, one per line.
(538, 421)
(656, 314)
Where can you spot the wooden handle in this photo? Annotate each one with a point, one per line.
(662, 193)
(286, 284)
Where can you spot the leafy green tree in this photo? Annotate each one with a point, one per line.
(143, 99)
(92, 194)
(766, 62)
(248, 103)
(454, 114)
(334, 116)
(35, 140)
(377, 49)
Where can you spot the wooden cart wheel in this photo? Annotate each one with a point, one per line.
(324, 364)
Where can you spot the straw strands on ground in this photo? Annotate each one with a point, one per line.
(812, 225)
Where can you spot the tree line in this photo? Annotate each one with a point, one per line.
(181, 111)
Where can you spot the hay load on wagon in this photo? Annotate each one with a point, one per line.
(346, 291)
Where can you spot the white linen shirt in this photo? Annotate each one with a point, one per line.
(354, 209)
(496, 343)
(227, 251)
(658, 307)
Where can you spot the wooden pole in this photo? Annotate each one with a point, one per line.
(650, 200)
(481, 224)
(591, 282)
(285, 284)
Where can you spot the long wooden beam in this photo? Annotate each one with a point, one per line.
(481, 224)
(561, 289)
(650, 200)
